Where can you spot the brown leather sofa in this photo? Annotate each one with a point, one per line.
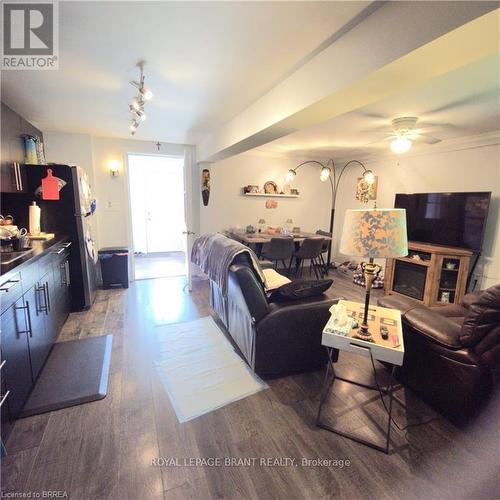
(452, 353)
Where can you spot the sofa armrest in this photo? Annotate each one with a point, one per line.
(309, 314)
(434, 327)
(288, 338)
(266, 264)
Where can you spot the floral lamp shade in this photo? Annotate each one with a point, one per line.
(375, 233)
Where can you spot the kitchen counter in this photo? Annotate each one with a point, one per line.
(39, 248)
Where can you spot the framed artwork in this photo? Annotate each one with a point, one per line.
(205, 186)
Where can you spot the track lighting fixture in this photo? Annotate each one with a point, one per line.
(136, 107)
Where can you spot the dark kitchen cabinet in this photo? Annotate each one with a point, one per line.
(35, 304)
(15, 354)
(5, 416)
(62, 293)
(12, 171)
(40, 343)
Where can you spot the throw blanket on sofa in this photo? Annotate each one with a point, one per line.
(214, 253)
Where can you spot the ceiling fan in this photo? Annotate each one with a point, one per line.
(404, 132)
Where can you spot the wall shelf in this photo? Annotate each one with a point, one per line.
(267, 195)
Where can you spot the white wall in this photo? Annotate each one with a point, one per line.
(228, 208)
(70, 149)
(470, 169)
(93, 153)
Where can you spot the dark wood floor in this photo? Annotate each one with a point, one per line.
(105, 449)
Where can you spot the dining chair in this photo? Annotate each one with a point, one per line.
(309, 250)
(279, 249)
(324, 250)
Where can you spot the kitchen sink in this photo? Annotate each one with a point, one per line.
(9, 257)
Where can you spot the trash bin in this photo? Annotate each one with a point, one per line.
(114, 266)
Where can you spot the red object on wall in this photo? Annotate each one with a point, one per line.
(50, 187)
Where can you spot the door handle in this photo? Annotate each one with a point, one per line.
(188, 232)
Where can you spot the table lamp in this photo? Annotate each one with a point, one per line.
(376, 233)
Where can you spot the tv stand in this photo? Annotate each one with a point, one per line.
(432, 274)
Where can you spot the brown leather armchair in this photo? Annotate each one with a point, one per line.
(452, 353)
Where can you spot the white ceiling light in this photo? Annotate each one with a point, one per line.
(400, 145)
(137, 105)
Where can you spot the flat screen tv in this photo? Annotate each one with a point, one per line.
(450, 219)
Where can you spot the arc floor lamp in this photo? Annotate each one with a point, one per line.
(329, 172)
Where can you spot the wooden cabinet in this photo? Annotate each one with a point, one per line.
(434, 275)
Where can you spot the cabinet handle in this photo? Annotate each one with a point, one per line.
(66, 245)
(4, 398)
(16, 176)
(29, 331)
(62, 270)
(20, 177)
(60, 251)
(48, 296)
(13, 283)
(3, 363)
(68, 277)
(42, 308)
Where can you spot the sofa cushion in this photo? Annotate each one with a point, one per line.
(300, 289)
(484, 315)
(404, 304)
(274, 279)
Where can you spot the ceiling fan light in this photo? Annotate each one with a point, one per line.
(400, 145)
(325, 173)
(290, 175)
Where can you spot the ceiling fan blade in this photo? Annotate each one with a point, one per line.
(489, 95)
(428, 139)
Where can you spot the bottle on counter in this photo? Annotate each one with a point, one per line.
(34, 219)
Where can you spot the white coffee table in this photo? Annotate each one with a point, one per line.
(389, 351)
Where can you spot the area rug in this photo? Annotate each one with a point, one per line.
(200, 369)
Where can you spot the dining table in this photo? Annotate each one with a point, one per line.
(259, 239)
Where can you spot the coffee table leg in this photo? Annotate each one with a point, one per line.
(390, 392)
(326, 384)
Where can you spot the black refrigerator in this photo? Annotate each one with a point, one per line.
(72, 215)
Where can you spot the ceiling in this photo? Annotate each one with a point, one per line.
(462, 103)
(205, 63)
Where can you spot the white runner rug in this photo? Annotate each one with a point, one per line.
(200, 369)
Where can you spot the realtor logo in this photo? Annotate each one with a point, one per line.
(30, 35)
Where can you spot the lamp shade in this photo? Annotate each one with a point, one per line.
(375, 233)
